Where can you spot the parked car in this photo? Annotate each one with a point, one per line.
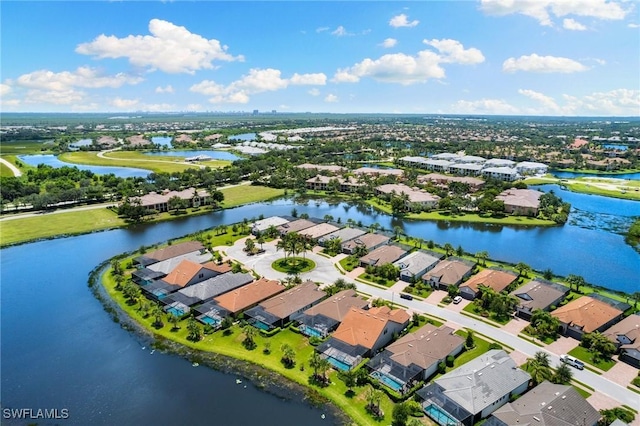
(406, 296)
(457, 299)
(572, 361)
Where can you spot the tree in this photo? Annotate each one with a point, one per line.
(599, 345)
(397, 231)
(448, 249)
(373, 397)
(249, 245)
(195, 333)
(459, 250)
(157, 314)
(469, 343)
(482, 257)
(349, 379)
(260, 240)
(575, 280)
(288, 355)
(453, 290)
(250, 333)
(543, 325)
(174, 320)
(523, 269)
(175, 203)
(400, 414)
(610, 416)
(294, 212)
(538, 367)
(328, 218)
(547, 274)
(562, 375)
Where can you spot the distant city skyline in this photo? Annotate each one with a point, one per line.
(547, 57)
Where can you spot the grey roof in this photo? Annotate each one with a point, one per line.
(483, 380)
(548, 404)
(417, 262)
(539, 294)
(169, 265)
(345, 234)
(217, 285)
(147, 274)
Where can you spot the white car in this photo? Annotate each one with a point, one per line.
(457, 299)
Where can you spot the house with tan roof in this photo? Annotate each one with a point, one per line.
(160, 201)
(586, 315)
(279, 310)
(369, 241)
(373, 171)
(522, 202)
(324, 183)
(382, 255)
(538, 294)
(451, 271)
(168, 252)
(547, 404)
(626, 336)
(324, 317)
(188, 273)
(249, 295)
(496, 279)
(415, 197)
(319, 230)
(295, 226)
(323, 167)
(415, 356)
(361, 334)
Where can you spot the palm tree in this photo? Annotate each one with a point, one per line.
(482, 257)
(523, 269)
(288, 355)
(419, 242)
(174, 320)
(576, 280)
(250, 333)
(448, 249)
(194, 330)
(397, 231)
(260, 241)
(563, 375)
(323, 366)
(374, 227)
(538, 367)
(157, 313)
(249, 245)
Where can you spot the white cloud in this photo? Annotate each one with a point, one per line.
(406, 69)
(454, 52)
(571, 24)
(341, 32)
(389, 42)
(543, 10)
(543, 64)
(402, 21)
(257, 81)
(56, 97)
(633, 25)
(164, 107)
(484, 106)
(547, 102)
(84, 77)
(620, 102)
(124, 103)
(314, 92)
(167, 89)
(4, 89)
(322, 29)
(170, 48)
(331, 98)
(194, 107)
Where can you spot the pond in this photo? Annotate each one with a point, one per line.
(162, 141)
(573, 175)
(243, 137)
(216, 155)
(54, 161)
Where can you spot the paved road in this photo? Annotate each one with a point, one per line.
(327, 273)
(16, 171)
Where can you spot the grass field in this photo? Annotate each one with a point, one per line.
(48, 225)
(135, 159)
(244, 194)
(584, 355)
(5, 171)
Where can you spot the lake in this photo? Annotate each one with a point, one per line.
(162, 141)
(216, 155)
(243, 137)
(573, 175)
(61, 350)
(54, 161)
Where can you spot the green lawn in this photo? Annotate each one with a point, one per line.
(584, 355)
(5, 171)
(473, 309)
(49, 225)
(245, 194)
(231, 345)
(628, 193)
(349, 263)
(293, 265)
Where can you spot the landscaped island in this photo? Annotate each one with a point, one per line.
(371, 357)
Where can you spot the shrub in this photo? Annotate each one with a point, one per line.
(449, 360)
(494, 345)
(442, 367)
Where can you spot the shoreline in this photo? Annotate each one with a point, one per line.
(262, 378)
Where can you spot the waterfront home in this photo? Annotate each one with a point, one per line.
(415, 198)
(344, 235)
(369, 241)
(585, 315)
(416, 264)
(262, 225)
(210, 313)
(496, 279)
(626, 336)
(187, 273)
(522, 202)
(466, 169)
(160, 201)
(437, 165)
(295, 226)
(474, 390)
(499, 162)
(373, 171)
(451, 271)
(206, 290)
(324, 183)
(531, 168)
(168, 265)
(547, 404)
(146, 276)
(382, 255)
(415, 356)
(280, 309)
(317, 231)
(323, 318)
(361, 334)
(169, 252)
(538, 294)
(249, 295)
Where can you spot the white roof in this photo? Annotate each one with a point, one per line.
(261, 225)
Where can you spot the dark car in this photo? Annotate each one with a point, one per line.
(406, 296)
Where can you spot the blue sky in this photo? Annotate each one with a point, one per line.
(523, 57)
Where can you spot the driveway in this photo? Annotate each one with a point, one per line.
(621, 373)
(563, 345)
